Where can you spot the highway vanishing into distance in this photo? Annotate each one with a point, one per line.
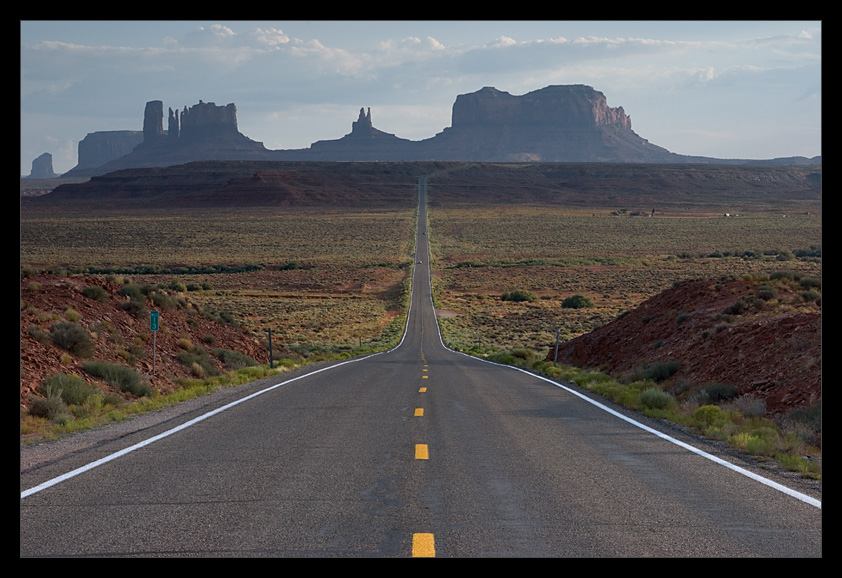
(415, 452)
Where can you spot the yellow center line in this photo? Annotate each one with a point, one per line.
(419, 411)
(424, 376)
(421, 452)
(422, 390)
(423, 546)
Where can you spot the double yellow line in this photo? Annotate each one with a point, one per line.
(423, 543)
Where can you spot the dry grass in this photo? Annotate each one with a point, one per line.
(616, 261)
(355, 261)
(212, 237)
(344, 288)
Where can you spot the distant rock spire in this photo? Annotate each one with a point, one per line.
(153, 121)
(173, 131)
(42, 167)
(363, 124)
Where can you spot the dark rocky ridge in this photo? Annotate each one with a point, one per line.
(554, 124)
(669, 188)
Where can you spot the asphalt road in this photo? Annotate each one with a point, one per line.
(419, 451)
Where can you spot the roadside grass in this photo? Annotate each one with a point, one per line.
(786, 442)
(98, 409)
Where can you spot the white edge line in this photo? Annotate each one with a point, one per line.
(780, 487)
(695, 450)
(137, 446)
(176, 429)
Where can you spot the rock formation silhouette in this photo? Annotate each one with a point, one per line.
(566, 123)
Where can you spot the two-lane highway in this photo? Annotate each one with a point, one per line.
(419, 451)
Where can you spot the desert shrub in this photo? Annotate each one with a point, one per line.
(577, 301)
(766, 292)
(72, 337)
(119, 376)
(72, 389)
(134, 307)
(519, 295)
(806, 422)
(660, 371)
(223, 317)
(743, 305)
(760, 441)
(716, 392)
(38, 334)
(809, 296)
(588, 379)
(233, 359)
(163, 300)
(95, 292)
(654, 398)
(750, 406)
(503, 357)
(810, 282)
(291, 265)
(133, 292)
(198, 361)
(707, 414)
(47, 407)
(523, 353)
(789, 275)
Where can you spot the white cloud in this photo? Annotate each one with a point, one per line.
(272, 37)
(504, 41)
(208, 36)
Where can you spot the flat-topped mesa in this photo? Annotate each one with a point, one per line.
(570, 106)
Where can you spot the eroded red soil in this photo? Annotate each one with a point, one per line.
(46, 299)
(771, 350)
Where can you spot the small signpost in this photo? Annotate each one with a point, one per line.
(153, 326)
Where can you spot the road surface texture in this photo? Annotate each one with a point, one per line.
(419, 451)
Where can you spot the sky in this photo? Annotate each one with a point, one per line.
(723, 89)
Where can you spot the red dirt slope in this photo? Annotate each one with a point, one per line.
(771, 348)
(46, 299)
